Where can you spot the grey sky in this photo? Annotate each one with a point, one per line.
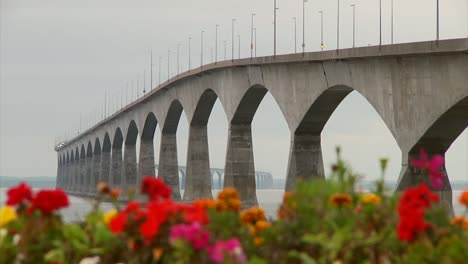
(58, 58)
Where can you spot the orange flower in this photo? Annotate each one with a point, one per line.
(205, 203)
(460, 221)
(252, 215)
(103, 188)
(341, 199)
(157, 253)
(114, 193)
(258, 241)
(228, 200)
(371, 198)
(464, 198)
(228, 194)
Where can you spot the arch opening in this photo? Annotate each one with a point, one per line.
(130, 157)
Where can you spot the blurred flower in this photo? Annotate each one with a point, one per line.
(193, 233)
(118, 223)
(194, 213)
(371, 198)
(460, 221)
(228, 193)
(464, 198)
(258, 241)
(157, 253)
(7, 214)
(48, 201)
(228, 200)
(252, 215)
(103, 188)
(205, 203)
(341, 199)
(108, 216)
(90, 260)
(114, 193)
(411, 210)
(155, 188)
(230, 250)
(18, 194)
(432, 166)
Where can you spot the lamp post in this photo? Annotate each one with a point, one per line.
(338, 27)
(391, 21)
(178, 58)
(160, 58)
(438, 25)
(303, 25)
(321, 30)
(238, 47)
(380, 22)
(144, 81)
(232, 39)
(201, 56)
(216, 44)
(274, 28)
(225, 50)
(251, 36)
(151, 69)
(255, 41)
(354, 24)
(295, 34)
(189, 55)
(168, 63)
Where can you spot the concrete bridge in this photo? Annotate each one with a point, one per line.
(420, 90)
(263, 180)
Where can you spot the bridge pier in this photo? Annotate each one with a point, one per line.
(96, 172)
(198, 179)
(71, 185)
(305, 159)
(146, 165)
(82, 175)
(411, 176)
(130, 168)
(59, 174)
(105, 166)
(116, 167)
(89, 174)
(168, 165)
(239, 167)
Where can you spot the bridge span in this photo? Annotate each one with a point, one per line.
(420, 90)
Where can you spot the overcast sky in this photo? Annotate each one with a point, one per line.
(58, 58)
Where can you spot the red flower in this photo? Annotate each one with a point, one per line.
(158, 213)
(432, 166)
(411, 210)
(119, 222)
(155, 188)
(18, 194)
(50, 200)
(194, 214)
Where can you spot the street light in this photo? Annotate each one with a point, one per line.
(392, 20)
(321, 30)
(338, 27)
(255, 41)
(238, 47)
(380, 22)
(225, 49)
(232, 39)
(178, 58)
(216, 44)
(189, 61)
(354, 24)
(160, 58)
(251, 36)
(303, 25)
(295, 35)
(201, 56)
(168, 63)
(274, 28)
(151, 69)
(438, 25)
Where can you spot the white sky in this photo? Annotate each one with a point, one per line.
(58, 58)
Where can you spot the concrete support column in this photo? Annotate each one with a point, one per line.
(130, 168)
(71, 176)
(198, 179)
(89, 175)
(82, 180)
(411, 176)
(168, 165)
(240, 169)
(76, 177)
(146, 165)
(59, 175)
(305, 159)
(96, 172)
(105, 167)
(115, 178)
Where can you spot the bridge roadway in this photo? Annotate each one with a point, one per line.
(419, 90)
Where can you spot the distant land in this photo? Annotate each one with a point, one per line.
(35, 182)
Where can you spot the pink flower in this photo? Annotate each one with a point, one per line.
(432, 166)
(230, 249)
(193, 233)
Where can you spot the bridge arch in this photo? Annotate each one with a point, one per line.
(146, 162)
(105, 158)
(129, 157)
(115, 174)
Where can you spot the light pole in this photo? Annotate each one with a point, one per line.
(354, 24)
(238, 47)
(232, 39)
(216, 44)
(321, 30)
(168, 63)
(201, 56)
(303, 26)
(144, 81)
(274, 29)
(225, 50)
(392, 20)
(338, 27)
(295, 34)
(251, 36)
(438, 25)
(189, 61)
(380, 22)
(151, 69)
(160, 59)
